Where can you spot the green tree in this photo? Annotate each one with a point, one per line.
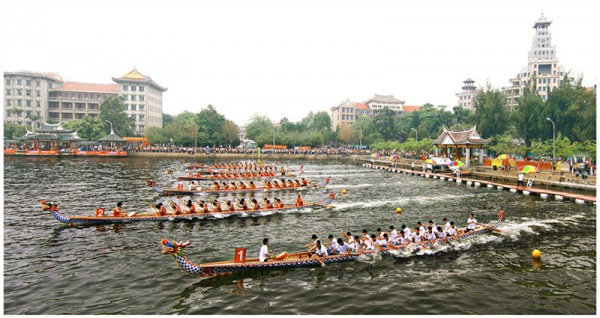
(527, 117)
(12, 131)
(385, 123)
(89, 127)
(490, 114)
(114, 110)
(210, 124)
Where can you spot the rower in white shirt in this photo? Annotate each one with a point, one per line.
(446, 224)
(343, 247)
(452, 231)
(393, 233)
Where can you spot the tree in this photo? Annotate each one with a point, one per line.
(231, 133)
(490, 114)
(527, 116)
(210, 124)
(385, 123)
(90, 128)
(113, 109)
(13, 130)
(345, 134)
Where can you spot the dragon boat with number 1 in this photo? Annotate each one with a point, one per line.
(181, 191)
(302, 259)
(102, 216)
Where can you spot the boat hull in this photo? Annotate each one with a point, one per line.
(212, 191)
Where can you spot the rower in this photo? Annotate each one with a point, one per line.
(217, 206)
(118, 211)
(162, 210)
(268, 204)
(297, 183)
(471, 223)
(290, 184)
(243, 204)
(232, 186)
(267, 184)
(255, 204)
(446, 224)
(216, 186)
(279, 203)
(299, 201)
(225, 186)
(264, 254)
(452, 231)
(320, 252)
(242, 185)
(304, 182)
(343, 247)
(230, 206)
(191, 207)
(175, 207)
(276, 184)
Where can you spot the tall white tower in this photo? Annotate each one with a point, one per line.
(542, 73)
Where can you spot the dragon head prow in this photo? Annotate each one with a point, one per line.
(173, 248)
(49, 205)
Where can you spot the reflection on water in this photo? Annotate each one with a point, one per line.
(50, 268)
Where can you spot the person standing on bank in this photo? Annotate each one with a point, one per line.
(264, 254)
(520, 181)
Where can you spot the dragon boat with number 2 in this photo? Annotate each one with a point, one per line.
(102, 217)
(295, 260)
(181, 191)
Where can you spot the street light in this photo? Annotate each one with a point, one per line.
(553, 141)
(361, 133)
(416, 134)
(111, 130)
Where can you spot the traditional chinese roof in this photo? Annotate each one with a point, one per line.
(51, 128)
(465, 137)
(410, 108)
(542, 20)
(384, 99)
(88, 87)
(111, 137)
(51, 75)
(135, 76)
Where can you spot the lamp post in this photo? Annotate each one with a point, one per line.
(111, 130)
(416, 134)
(553, 141)
(273, 138)
(361, 133)
(195, 136)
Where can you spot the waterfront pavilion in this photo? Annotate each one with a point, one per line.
(467, 139)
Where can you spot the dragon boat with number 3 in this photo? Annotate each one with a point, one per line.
(181, 191)
(102, 217)
(295, 260)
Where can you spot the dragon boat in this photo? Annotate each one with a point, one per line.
(181, 191)
(294, 260)
(102, 216)
(236, 176)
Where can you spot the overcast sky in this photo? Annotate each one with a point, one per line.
(287, 58)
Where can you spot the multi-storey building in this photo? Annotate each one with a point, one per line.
(348, 112)
(542, 73)
(466, 98)
(33, 98)
(26, 96)
(378, 102)
(74, 100)
(143, 98)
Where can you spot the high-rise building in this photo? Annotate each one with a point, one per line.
(542, 73)
(143, 98)
(466, 98)
(26, 96)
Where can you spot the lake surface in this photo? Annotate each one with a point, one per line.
(51, 268)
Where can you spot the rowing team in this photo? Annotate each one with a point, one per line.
(267, 184)
(215, 206)
(383, 241)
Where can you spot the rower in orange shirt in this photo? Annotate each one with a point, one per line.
(299, 201)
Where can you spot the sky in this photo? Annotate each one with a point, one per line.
(281, 58)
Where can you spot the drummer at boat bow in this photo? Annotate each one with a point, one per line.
(118, 211)
(264, 254)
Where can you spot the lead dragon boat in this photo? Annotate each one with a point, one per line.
(102, 217)
(294, 260)
(181, 191)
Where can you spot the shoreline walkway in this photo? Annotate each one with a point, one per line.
(543, 193)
